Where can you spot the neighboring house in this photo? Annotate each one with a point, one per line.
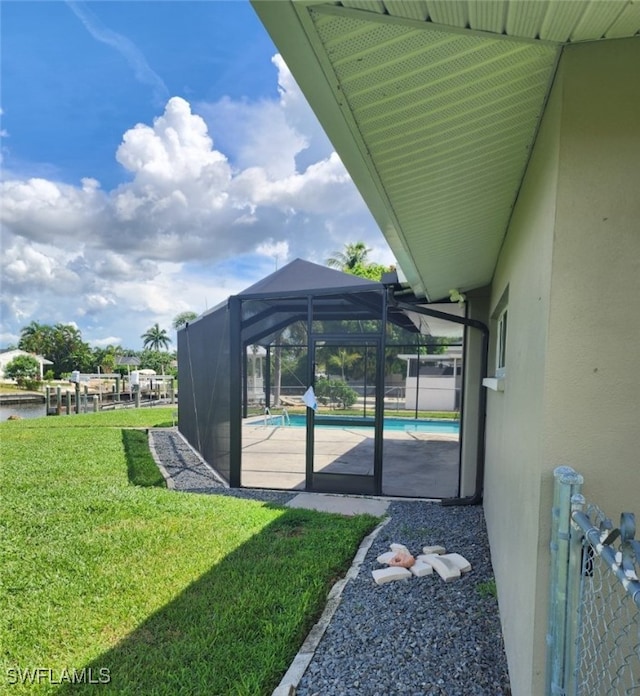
(433, 382)
(8, 355)
(497, 144)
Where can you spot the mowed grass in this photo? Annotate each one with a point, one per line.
(165, 592)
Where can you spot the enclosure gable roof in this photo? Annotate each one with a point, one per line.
(304, 276)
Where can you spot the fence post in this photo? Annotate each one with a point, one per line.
(566, 484)
(574, 608)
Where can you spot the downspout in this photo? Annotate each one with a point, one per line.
(476, 498)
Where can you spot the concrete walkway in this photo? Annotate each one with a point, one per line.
(341, 504)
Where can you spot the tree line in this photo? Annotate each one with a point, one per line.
(64, 346)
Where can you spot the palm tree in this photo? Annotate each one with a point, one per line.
(155, 338)
(343, 359)
(183, 318)
(354, 255)
(105, 358)
(36, 338)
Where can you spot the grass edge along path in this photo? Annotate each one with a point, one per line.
(145, 589)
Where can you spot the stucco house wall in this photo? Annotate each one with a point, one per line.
(571, 267)
(594, 330)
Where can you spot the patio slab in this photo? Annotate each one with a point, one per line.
(341, 504)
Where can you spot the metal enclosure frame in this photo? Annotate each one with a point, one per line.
(211, 365)
(212, 360)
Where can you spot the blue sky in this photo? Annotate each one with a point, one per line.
(156, 157)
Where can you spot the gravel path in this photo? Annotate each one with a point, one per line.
(416, 637)
(190, 474)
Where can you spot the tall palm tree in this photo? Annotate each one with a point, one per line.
(343, 359)
(70, 352)
(183, 318)
(36, 338)
(155, 338)
(354, 254)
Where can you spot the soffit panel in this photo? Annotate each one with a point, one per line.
(434, 106)
(563, 21)
(448, 120)
(628, 18)
(557, 20)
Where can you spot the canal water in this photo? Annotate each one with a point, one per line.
(22, 410)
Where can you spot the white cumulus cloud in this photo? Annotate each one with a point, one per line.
(189, 226)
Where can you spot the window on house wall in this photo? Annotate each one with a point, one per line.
(499, 316)
(501, 344)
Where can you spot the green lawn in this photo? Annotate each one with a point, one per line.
(165, 592)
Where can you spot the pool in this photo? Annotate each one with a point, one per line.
(399, 424)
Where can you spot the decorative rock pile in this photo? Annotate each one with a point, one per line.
(401, 565)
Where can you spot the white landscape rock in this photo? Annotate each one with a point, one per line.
(459, 561)
(427, 550)
(384, 575)
(420, 568)
(399, 548)
(445, 567)
(448, 566)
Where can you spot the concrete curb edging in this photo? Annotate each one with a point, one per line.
(170, 482)
(294, 674)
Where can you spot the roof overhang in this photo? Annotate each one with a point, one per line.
(434, 106)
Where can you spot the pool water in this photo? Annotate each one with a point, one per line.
(422, 426)
(401, 424)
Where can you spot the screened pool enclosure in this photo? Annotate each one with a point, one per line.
(375, 366)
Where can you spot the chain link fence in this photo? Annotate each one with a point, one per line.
(594, 619)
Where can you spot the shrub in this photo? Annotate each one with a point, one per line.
(335, 391)
(30, 384)
(23, 368)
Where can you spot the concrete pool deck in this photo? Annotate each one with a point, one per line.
(415, 464)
